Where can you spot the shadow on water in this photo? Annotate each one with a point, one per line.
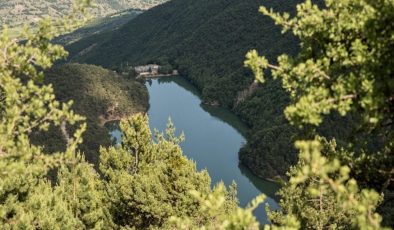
(268, 187)
(219, 113)
(227, 117)
(182, 82)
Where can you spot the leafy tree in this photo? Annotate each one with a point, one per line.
(206, 40)
(345, 61)
(80, 185)
(27, 198)
(144, 182)
(214, 204)
(345, 65)
(149, 181)
(322, 195)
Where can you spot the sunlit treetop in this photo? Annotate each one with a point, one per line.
(346, 60)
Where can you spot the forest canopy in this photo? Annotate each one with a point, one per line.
(345, 65)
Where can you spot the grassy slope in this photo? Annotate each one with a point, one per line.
(94, 91)
(97, 26)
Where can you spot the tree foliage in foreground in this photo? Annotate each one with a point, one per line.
(142, 184)
(345, 65)
(27, 199)
(150, 181)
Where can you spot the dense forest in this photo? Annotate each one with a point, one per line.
(207, 42)
(342, 70)
(208, 47)
(144, 183)
(98, 94)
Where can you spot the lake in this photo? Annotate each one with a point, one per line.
(213, 137)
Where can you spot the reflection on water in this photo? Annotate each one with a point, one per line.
(213, 137)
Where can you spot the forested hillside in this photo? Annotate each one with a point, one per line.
(207, 41)
(345, 65)
(16, 12)
(98, 94)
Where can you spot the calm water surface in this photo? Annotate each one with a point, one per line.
(213, 137)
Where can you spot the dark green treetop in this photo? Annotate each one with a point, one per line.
(345, 65)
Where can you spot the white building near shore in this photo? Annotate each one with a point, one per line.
(147, 69)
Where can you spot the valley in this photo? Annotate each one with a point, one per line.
(208, 48)
(122, 53)
(208, 114)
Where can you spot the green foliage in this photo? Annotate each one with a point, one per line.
(342, 68)
(149, 181)
(206, 41)
(351, 69)
(345, 65)
(98, 94)
(166, 69)
(80, 185)
(26, 197)
(214, 204)
(144, 181)
(40, 208)
(321, 194)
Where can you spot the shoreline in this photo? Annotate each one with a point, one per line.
(217, 104)
(152, 76)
